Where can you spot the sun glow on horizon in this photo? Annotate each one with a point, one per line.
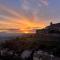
(24, 25)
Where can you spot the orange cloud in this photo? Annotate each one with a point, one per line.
(9, 11)
(23, 23)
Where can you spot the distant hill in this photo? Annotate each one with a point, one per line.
(56, 26)
(52, 28)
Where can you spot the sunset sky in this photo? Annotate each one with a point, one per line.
(28, 15)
